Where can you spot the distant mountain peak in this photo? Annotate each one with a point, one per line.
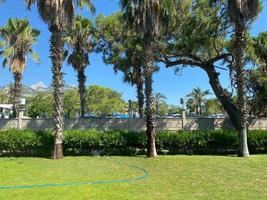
(39, 86)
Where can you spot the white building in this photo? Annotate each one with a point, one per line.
(6, 110)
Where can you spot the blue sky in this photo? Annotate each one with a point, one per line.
(171, 85)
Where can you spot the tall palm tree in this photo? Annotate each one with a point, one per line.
(147, 17)
(242, 13)
(159, 98)
(80, 41)
(196, 99)
(131, 67)
(58, 14)
(18, 37)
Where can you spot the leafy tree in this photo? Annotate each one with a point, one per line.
(163, 108)
(58, 14)
(198, 40)
(147, 17)
(258, 80)
(197, 99)
(40, 105)
(18, 37)
(104, 101)
(71, 103)
(212, 106)
(203, 45)
(3, 98)
(80, 42)
(122, 47)
(174, 109)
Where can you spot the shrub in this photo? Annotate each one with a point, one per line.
(257, 141)
(95, 142)
(26, 142)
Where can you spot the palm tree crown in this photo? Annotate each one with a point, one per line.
(243, 11)
(59, 13)
(147, 16)
(80, 42)
(197, 98)
(18, 37)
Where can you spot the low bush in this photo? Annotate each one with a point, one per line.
(95, 142)
(26, 143)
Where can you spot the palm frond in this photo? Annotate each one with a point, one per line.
(18, 37)
(35, 57)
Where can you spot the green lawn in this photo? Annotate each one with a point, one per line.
(170, 177)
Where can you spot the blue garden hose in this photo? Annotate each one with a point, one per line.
(131, 180)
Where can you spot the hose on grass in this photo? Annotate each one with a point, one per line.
(101, 182)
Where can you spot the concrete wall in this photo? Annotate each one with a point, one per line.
(130, 124)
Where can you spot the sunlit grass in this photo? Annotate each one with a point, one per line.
(170, 177)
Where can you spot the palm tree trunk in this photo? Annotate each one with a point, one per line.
(239, 53)
(56, 54)
(150, 115)
(81, 80)
(140, 94)
(16, 93)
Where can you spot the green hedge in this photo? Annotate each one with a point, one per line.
(26, 142)
(94, 142)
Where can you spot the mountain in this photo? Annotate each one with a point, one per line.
(39, 86)
(33, 90)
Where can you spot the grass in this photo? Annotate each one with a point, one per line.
(170, 177)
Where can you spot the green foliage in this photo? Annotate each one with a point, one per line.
(59, 13)
(147, 17)
(18, 37)
(104, 101)
(198, 33)
(257, 141)
(174, 109)
(100, 100)
(80, 41)
(40, 105)
(258, 77)
(212, 106)
(160, 104)
(196, 100)
(3, 97)
(120, 46)
(163, 108)
(91, 141)
(26, 142)
(71, 103)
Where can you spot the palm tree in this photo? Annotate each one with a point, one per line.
(197, 98)
(147, 17)
(242, 13)
(131, 67)
(80, 41)
(18, 37)
(58, 14)
(159, 98)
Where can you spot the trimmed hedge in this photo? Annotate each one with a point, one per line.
(26, 143)
(95, 142)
